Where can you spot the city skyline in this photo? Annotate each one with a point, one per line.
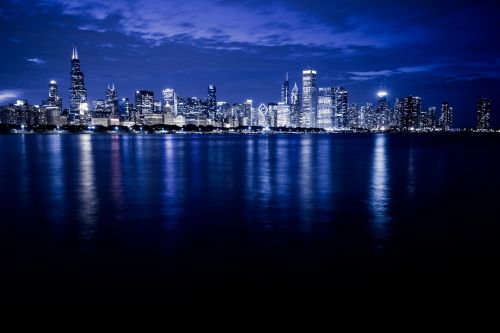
(406, 59)
(325, 108)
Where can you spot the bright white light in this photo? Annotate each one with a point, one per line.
(84, 108)
(53, 82)
(382, 93)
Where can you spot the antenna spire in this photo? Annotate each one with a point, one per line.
(75, 53)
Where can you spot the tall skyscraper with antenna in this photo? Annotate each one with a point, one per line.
(111, 101)
(77, 91)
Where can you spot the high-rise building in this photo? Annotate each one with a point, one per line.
(309, 99)
(340, 107)
(100, 109)
(223, 113)
(326, 108)
(111, 101)
(124, 108)
(446, 119)
(54, 99)
(367, 118)
(285, 91)
(411, 109)
(157, 107)
(295, 103)
(144, 101)
(428, 118)
(483, 114)
(169, 100)
(250, 113)
(262, 115)
(212, 101)
(283, 115)
(77, 91)
(382, 110)
(51, 107)
(352, 119)
(272, 114)
(398, 112)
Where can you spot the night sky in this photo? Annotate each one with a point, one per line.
(439, 50)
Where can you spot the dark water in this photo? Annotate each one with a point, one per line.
(130, 213)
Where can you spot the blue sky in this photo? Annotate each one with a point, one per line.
(440, 50)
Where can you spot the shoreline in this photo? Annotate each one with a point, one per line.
(194, 129)
(247, 133)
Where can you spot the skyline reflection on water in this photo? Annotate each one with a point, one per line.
(238, 205)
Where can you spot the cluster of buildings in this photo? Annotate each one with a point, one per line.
(308, 107)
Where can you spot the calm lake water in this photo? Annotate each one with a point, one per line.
(177, 212)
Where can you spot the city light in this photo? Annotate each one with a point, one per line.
(322, 108)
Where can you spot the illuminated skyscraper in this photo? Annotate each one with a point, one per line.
(326, 109)
(428, 118)
(367, 118)
(283, 115)
(124, 108)
(352, 119)
(340, 107)
(295, 102)
(285, 91)
(77, 91)
(51, 107)
(170, 100)
(99, 109)
(144, 101)
(309, 99)
(446, 119)
(411, 109)
(483, 114)
(382, 110)
(53, 101)
(212, 101)
(272, 114)
(111, 101)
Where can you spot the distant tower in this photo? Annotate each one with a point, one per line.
(446, 120)
(144, 101)
(309, 99)
(483, 114)
(295, 107)
(340, 106)
(382, 110)
(124, 108)
(53, 100)
(283, 115)
(212, 101)
(411, 109)
(285, 91)
(326, 109)
(170, 100)
(111, 101)
(77, 91)
(52, 106)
